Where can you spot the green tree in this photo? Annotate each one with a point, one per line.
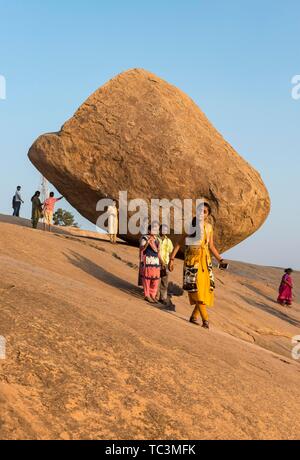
(64, 218)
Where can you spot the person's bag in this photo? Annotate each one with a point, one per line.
(190, 273)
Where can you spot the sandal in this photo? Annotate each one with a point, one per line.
(205, 324)
(154, 300)
(194, 321)
(149, 299)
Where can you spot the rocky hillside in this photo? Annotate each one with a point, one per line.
(86, 357)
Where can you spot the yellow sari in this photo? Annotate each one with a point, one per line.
(197, 259)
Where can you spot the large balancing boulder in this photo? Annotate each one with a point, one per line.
(139, 134)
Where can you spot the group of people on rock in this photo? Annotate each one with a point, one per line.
(156, 262)
(157, 256)
(155, 251)
(43, 210)
(39, 211)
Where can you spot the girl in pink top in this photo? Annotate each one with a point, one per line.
(49, 209)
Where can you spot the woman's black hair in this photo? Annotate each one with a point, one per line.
(207, 205)
(194, 221)
(37, 193)
(162, 226)
(288, 270)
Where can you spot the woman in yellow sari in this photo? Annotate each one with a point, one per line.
(198, 273)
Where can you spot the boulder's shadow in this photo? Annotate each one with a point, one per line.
(103, 275)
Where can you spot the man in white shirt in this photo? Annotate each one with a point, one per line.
(17, 201)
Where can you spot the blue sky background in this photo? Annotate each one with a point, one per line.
(235, 58)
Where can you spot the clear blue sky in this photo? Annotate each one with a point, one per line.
(235, 58)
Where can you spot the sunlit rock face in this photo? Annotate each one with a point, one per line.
(139, 134)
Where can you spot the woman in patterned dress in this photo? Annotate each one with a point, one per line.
(198, 272)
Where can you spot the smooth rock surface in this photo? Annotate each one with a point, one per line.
(88, 358)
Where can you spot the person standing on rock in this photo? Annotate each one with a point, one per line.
(144, 231)
(17, 201)
(48, 209)
(166, 248)
(113, 223)
(285, 296)
(150, 262)
(37, 209)
(198, 273)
